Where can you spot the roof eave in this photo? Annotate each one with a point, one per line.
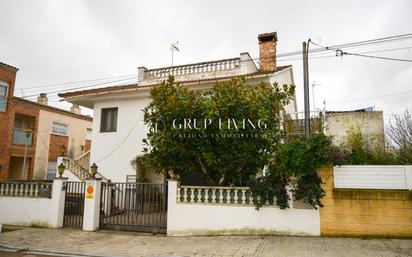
(87, 99)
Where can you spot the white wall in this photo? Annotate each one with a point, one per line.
(23, 211)
(202, 219)
(113, 151)
(30, 211)
(285, 77)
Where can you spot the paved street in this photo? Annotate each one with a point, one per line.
(111, 243)
(7, 254)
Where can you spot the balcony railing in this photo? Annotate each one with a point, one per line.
(20, 137)
(203, 67)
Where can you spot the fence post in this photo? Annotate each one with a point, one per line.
(57, 202)
(92, 196)
(171, 205)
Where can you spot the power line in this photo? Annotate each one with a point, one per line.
(340, 52)
(334, 56)
(374, 97)
(378, 57)
(356, 44)
(67, 86)
(74, 82)
(123, 141)
(282, 55)
(82, 87)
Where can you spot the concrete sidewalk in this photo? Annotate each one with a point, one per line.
(111, 243)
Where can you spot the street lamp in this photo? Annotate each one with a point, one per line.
(61, 169)
(62, 150)
(93, 169)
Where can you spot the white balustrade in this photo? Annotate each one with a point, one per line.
(214, 195)
(25, 188)
(204, 67)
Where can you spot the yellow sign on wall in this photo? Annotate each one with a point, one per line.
(90, 191)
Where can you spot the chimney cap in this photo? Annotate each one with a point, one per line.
(273, 36)
(43, 95)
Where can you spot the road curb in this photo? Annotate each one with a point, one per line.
(9, 248)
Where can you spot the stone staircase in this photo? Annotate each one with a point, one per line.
(79, 166)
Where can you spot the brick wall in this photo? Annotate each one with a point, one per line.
(375, 213)
(88, 145)
(8, 75)
(56, 142)
(7, 149)
(267, 51)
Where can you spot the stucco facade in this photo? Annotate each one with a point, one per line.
(49, 144)
(113, 151)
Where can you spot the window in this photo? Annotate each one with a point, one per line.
(89, 134)
(108, 121)
(59, 129)
(4, 86)
(51, 170)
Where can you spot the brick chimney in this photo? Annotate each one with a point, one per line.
(267, 51)
(75, 109)
(42, 99)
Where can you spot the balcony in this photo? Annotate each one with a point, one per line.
(20, 137)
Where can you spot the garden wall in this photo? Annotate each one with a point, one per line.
(194, 210)
(26, 203)
(364, 212)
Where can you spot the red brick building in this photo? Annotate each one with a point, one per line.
(32, 134)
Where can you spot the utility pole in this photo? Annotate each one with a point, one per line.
(305, 48)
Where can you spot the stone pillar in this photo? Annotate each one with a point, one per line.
(91, 214)
(171, 206)
(57, 202)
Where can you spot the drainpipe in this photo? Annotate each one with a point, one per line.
(27, 132)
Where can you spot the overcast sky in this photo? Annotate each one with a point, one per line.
(63, 41)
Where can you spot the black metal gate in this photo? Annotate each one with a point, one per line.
(134, 207)
(74, 204)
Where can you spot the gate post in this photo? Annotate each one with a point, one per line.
(92, 204)
(57, 202)
(171, 206)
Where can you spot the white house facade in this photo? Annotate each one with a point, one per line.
(118, 126)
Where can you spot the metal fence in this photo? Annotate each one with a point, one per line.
(134, 207)
(74, 204)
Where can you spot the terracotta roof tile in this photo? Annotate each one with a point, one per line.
(9, 66)
(52, 109)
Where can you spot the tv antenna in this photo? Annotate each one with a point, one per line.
(173, 48)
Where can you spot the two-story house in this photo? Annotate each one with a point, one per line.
(118, 127)
(33, 134)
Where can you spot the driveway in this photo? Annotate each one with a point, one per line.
(111, 243)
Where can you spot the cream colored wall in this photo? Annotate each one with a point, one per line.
(370, 125)
(77, 135)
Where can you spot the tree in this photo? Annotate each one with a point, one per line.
(226, 134)
(399, 133)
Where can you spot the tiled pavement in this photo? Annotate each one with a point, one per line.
(111, 243)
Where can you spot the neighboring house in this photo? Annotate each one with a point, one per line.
(370, 124)
(118, 127)
(33, 134)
